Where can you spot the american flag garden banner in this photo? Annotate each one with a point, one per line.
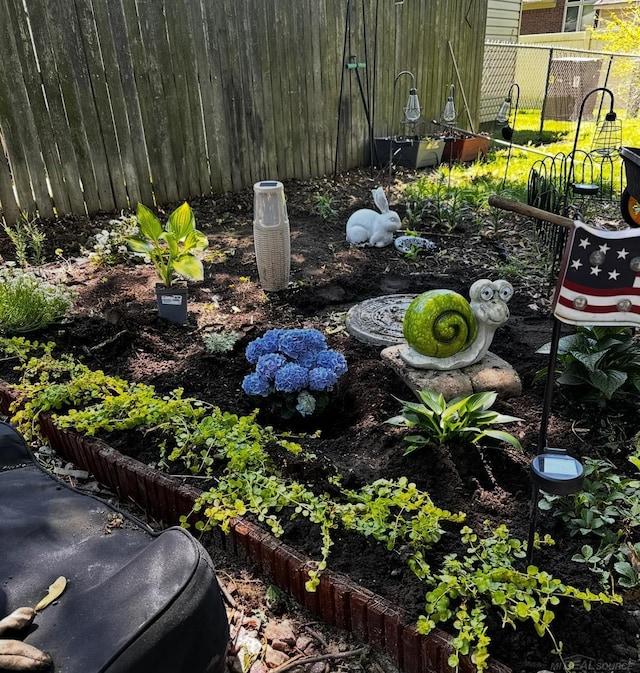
(599, 280)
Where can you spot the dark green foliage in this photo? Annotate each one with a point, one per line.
(601, 364)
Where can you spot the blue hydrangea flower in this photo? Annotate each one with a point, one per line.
(268, 365)
(272, 338)
(308, 360)
(295, 362)
(306, 403)
(291, 378)
(322, 378)
(254, 384)
(332, 360)
(268, 343)
(254, 350)
(295, 342)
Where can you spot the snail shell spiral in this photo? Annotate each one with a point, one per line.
(439, 323)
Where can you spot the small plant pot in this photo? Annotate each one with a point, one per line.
(465, 149)
(172, 303)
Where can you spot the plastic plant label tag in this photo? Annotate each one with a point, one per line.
(54, 591)
(171, 299)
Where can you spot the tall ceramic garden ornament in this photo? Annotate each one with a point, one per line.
(444, 331)
(173, 252)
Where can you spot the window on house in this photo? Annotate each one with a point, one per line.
(578, 14)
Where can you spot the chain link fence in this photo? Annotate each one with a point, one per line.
(554, 81)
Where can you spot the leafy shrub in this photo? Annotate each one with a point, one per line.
(468, 418)
(606, 512)
(28, 240)
(28, 302)
(109, 246)
(220, 342)
(323, 206)
(294, 369)
(600, 364)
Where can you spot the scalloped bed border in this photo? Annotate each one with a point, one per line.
(338, 600)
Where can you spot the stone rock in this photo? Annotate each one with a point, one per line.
(246, 650)
(492, 373)
(273, 658)
(259, 667)
(318, 667)
(280, 645)
(280, 631)
(304, 643)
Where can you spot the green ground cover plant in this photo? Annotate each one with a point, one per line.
(464, 588)
(220, 342)
(606, 513)
(486, 577)
(29, 303)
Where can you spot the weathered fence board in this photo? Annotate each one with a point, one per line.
(127, 184)
(107, 164)
(25, 121)
(42, 131)
(136, 155)
(11, 110)
(77, 97)
(108, 103)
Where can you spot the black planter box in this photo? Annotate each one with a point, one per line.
(409, 152)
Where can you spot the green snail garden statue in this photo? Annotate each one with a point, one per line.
(444, 331)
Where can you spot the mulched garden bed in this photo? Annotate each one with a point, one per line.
(115, 328)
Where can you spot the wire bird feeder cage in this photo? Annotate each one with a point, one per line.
(583, 179)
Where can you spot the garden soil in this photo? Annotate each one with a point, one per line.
(115, 327)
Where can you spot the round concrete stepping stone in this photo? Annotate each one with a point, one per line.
(378, 320)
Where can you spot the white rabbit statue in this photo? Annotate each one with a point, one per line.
(366, 227)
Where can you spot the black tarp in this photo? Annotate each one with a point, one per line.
(136, 601)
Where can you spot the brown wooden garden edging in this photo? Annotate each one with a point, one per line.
(338, 600)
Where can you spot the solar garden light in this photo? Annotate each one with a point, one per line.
(503, 118)
(504, 113)
(449, 113)
(552, 470)
(555, 472)
(608, 135)
(412, 110)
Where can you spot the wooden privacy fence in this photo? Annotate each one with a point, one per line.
(107, 103)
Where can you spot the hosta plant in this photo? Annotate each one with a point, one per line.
(599, 364)
(172, 250)
(437, 421)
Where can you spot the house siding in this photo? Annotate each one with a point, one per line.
(503, 20)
